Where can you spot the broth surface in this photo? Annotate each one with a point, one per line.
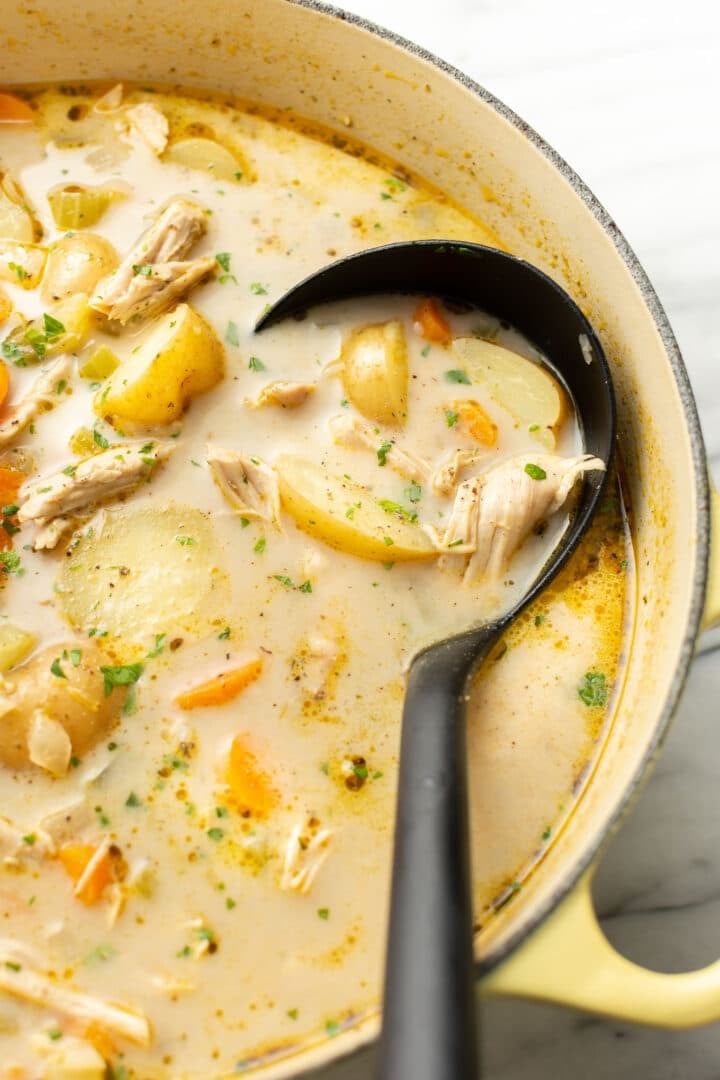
(239, 929)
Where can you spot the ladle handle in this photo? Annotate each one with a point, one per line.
(429, 1010)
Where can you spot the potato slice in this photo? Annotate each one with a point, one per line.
(15, 645)
(207, 155)
(345, 516)
(75, 264)
(375, 372)
(136, 572)
(179, 358)
(526, 389)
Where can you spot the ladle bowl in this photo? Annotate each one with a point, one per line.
(429, 1016)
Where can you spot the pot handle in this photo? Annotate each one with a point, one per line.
(711, 615)
(569, 961)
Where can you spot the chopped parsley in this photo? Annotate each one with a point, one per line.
(258, 289)
(323, 913)
(593, 690)
(232, 334)
(224, 634)
(535, 472)
(216, 834)
(123, 675)
(284, 580)
(223, 257)
(56, 670)
(256, 364)
(306, 587)
(451, 418)
(159, 646)
(133, 800)
(293, 1014)
(401, 511)
(413, 492)
(186, 541)
(260, 545)
(383, 451)
(75, 657)
(457, 375)
(144, 269)
(100, 440)
(19, 271)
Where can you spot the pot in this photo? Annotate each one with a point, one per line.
(340, 71)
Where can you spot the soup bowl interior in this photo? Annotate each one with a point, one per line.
(341, 73)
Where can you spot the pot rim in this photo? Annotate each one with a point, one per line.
(697, 445)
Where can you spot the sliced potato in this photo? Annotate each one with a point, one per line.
(207, 155)
(345, 516)
(136, 572)
(79, 206)
(16, 219)
(61, 329)
(179, 358)
(529, 392)
(75, 264)
(375, 372)
(22, 264)
(65, 682)
(15, 645)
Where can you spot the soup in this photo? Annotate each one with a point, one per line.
(221, 551)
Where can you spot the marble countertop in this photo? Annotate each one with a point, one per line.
(628, 92)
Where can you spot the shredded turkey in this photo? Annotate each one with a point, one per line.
(357, 435)
(289, 395)
(153, 275)
(43, 395)
(144, 120)
(248, 484)
(318, 661)
(307, 849)
(494, 513)
(111, 473)
(22, 982)
(15, 848)
(444, 479)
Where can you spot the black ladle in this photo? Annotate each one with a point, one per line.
(429, 1018)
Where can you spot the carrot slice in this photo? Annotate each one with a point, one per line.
(430, 322)
(476, 421)
(222, 688)
(14, 110)
(250, 787)
(75, 858)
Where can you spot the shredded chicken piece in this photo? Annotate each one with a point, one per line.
(494, 512)
(72, 1057)
(319, 660)
(444, 479)
(15, 849)
(152, 275)
(94, 480)
(357, 435)
(111, 101)
(307, 849)
(41, 397)
(67, 821)
(49, 744)
(41, 990)
(289, 395)
(148, 122)
(247, 483)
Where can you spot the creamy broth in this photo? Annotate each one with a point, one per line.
(236, 927)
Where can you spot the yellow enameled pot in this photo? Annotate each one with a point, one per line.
(341, 71)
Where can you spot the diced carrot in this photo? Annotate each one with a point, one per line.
(10, 481)
(476, 421)
(250, 787)
(430, 322)
(222, 688)
(13, 110)
(75, 858)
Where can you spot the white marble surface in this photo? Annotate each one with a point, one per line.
(628, 91)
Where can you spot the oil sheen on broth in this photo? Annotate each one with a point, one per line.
(220, 552)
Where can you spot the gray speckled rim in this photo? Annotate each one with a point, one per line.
(702, 486)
